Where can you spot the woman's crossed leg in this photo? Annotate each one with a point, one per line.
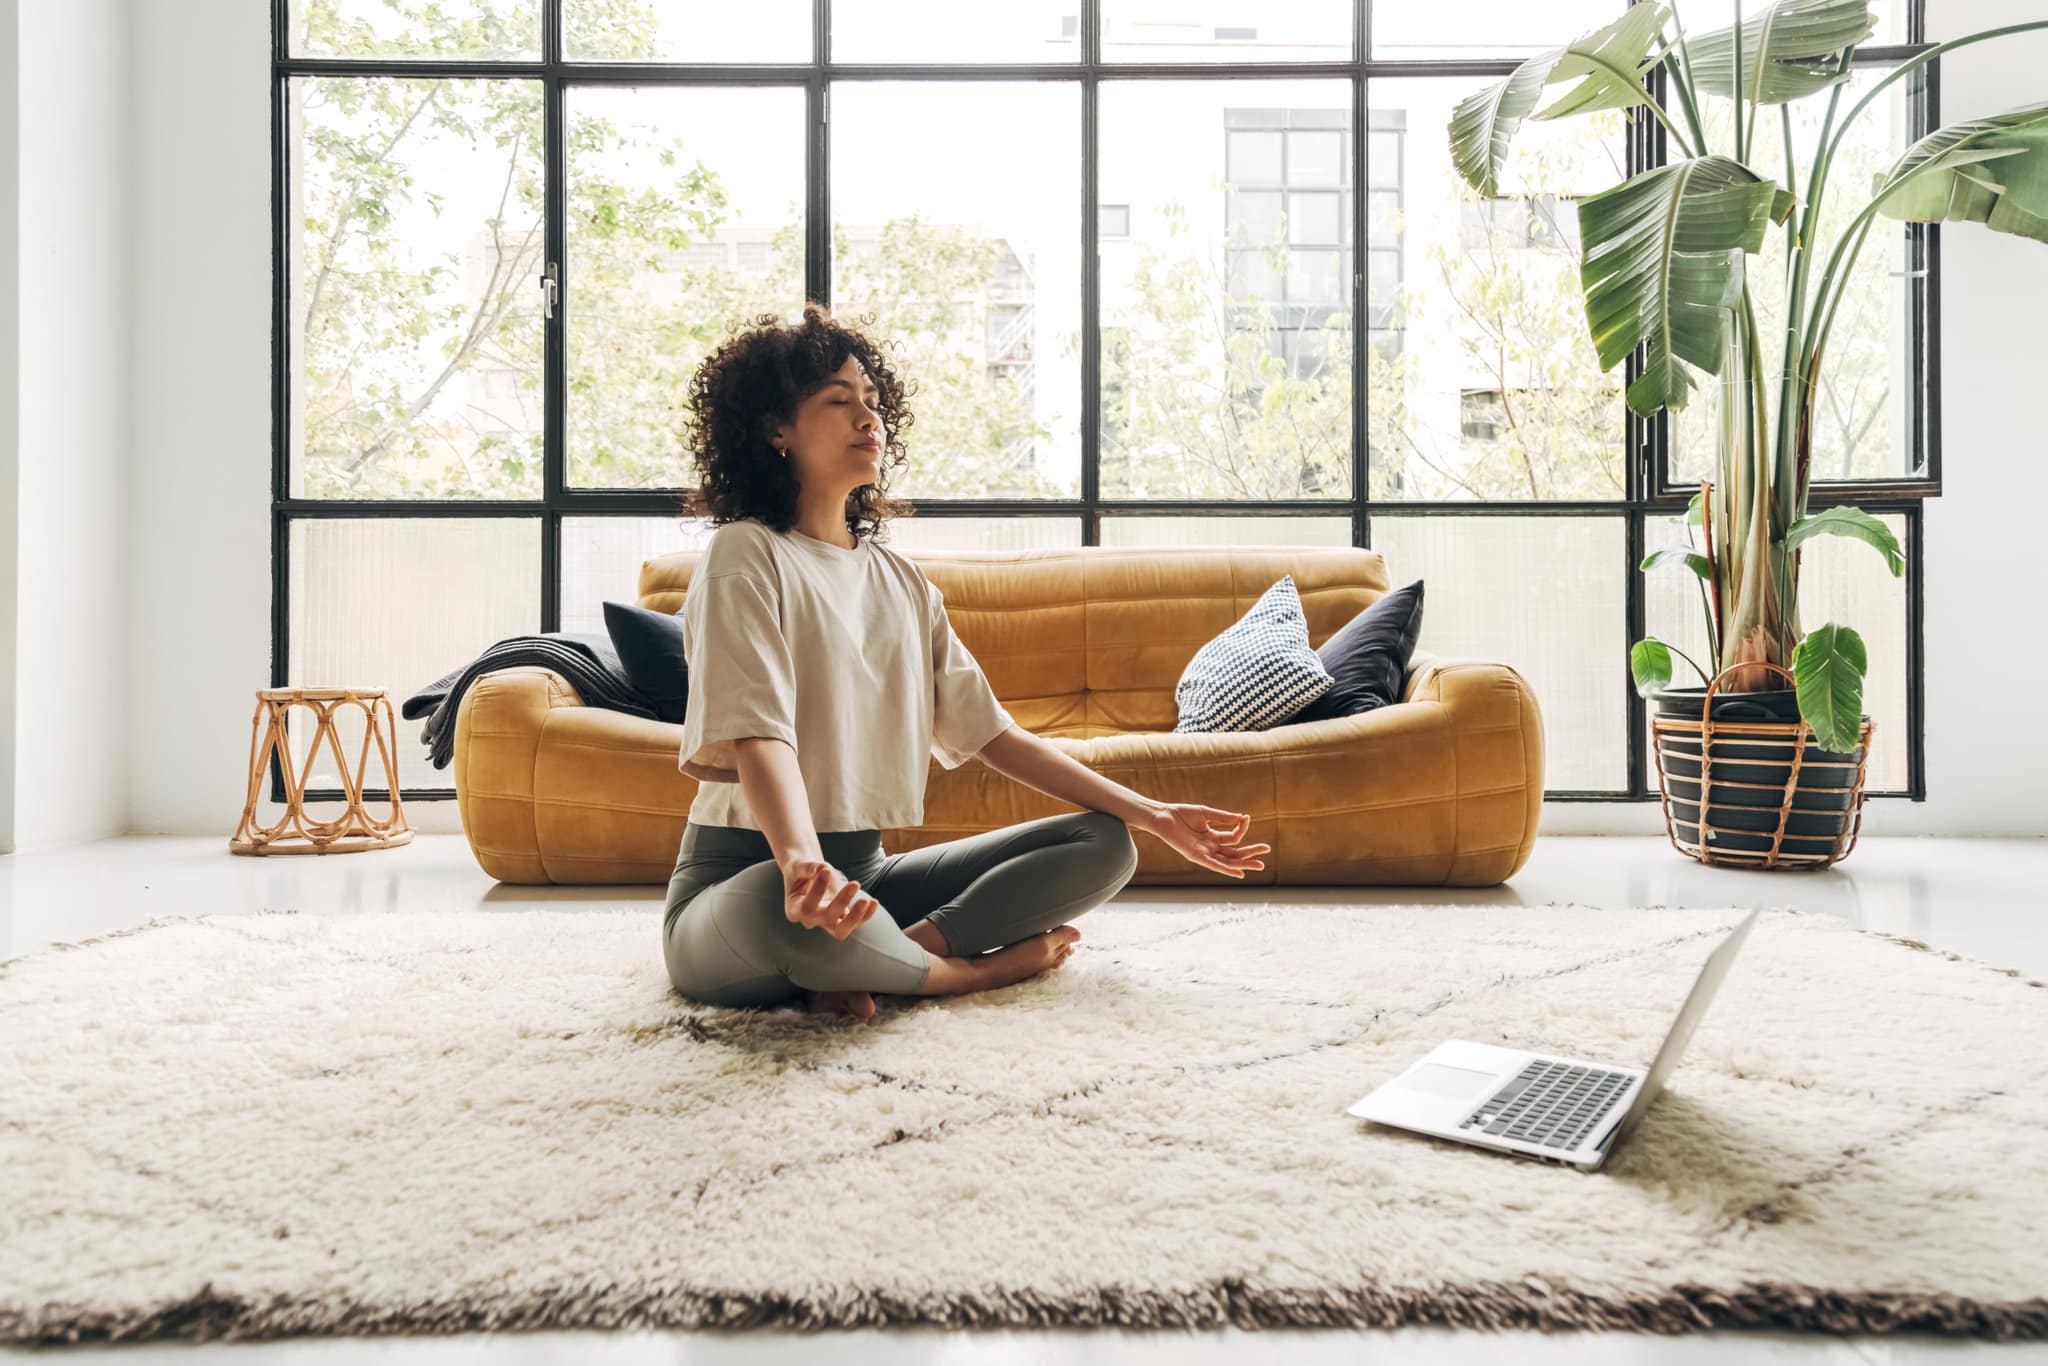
(981, 911)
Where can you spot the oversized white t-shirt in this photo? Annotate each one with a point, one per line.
(845, 654)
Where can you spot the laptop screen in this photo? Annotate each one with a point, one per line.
(1696, 1004)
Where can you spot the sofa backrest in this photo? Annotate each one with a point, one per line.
(1091, 640)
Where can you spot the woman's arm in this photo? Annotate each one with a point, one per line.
(1017, 753)
(775, 793)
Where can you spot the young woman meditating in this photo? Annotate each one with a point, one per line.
(823, 671)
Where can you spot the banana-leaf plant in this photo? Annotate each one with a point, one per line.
(1665, 273)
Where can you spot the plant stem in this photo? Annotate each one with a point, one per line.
(1735, 87)
(1689, 659)
(1923, 59)
(1680, 58)
(1792, 399)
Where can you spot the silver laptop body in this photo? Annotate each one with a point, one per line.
(1569, 1111)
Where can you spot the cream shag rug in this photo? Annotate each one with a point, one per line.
(284, 1124)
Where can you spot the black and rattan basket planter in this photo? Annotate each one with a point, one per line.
(1774, 797)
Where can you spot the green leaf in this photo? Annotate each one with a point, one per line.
(1695, 511)
(1484, 123)
(1992, 171)
(1664, 267)
(1678, 554)
(1650, 662)
(1828, 668)
(1789, 50)
(1851, 522)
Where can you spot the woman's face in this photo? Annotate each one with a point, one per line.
(836, 440)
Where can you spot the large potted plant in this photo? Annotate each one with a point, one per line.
(1754, 771)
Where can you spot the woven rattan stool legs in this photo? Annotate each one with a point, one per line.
(295, 832)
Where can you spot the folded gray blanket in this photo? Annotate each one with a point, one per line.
(587, 660)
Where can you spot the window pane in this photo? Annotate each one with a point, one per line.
(1253, 158)
(1480, 301)
(979, 284)
(1316, 159)
(454, 30)
(1199, 397)
(464, 584)
(601, 559)
(1314, 218)
(950, 31)
(1840, 580)
(415, 235)
(686, 213)
(1494, 593)
(1863, 413)
(1272, 31)
(1213, 531)
(1255, 216)
(931, 532)
(1430, 30)
(1384, 145)
(686, 31)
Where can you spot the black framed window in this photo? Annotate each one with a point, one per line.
(1244, 299)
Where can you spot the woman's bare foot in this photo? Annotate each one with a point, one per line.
(959, 976)
(1013, 963)
(858, 1004)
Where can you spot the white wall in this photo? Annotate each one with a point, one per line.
(10, 394)
(71, 218)
(198, 486)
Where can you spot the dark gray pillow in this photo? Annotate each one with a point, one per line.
(650, 646)
(1368, 656)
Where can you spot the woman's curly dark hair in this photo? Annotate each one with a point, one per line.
(755, 379)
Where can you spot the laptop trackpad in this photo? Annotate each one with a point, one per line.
(1460, 1082)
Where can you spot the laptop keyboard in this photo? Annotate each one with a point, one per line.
(1554, 1104)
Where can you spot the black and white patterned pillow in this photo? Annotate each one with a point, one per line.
(1257, 674)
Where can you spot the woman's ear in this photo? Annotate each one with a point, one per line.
(777, 433)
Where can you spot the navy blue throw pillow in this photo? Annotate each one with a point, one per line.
(650, 646)
(1368, 656)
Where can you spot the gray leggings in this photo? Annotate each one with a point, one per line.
(728, 942)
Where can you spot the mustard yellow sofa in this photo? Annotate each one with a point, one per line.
(1084, 647)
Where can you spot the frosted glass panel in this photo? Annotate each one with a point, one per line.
(601, 559)
(926, 532)
(1546, 595)
(395, 603)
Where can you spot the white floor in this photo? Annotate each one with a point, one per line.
(1980, 898)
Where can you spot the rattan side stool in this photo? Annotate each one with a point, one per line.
(295, 832)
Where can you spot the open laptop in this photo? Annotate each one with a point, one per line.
(1562, 1110)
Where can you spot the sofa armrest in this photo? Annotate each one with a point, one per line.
(497, 738)
(1497, 726)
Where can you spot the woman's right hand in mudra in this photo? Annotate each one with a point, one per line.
(815, 894)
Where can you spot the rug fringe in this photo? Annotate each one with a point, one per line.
(1231, 1302)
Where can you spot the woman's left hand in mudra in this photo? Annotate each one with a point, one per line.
(1208, 837)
